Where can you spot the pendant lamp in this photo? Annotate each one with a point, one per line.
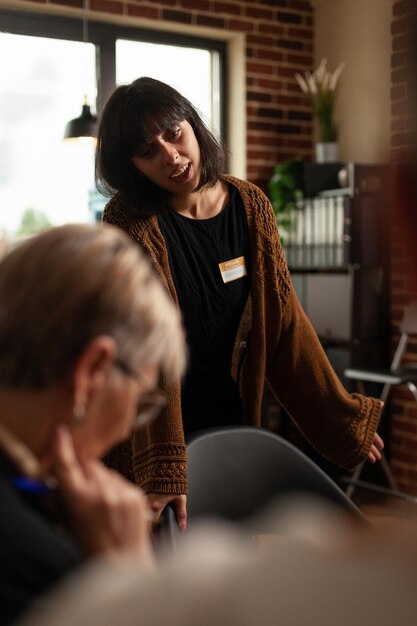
(83, 127)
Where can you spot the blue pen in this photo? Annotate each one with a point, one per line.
(31, 485)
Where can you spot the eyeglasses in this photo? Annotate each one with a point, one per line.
(150, 403)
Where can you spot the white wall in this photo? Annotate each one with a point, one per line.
(358, 32)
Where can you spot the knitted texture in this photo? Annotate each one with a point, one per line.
(274, 342)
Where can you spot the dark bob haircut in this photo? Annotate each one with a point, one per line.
(132, 115)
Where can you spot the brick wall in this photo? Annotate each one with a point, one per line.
(279, 36)
(403, 242)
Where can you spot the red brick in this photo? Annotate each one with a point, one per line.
(270, 84)
(397, 60)
(196, 5)
(140, 11)
(299, 59)
(176, 16)
(260, 14)
(398, 91)
(208, 20)
(106, 5)
(261, 169)
(399, 108)
(262, 41)
(400, 26)
(400, 43)
(401, 8)
(226, 7)
(273, 29)
(259, 155)
(241, 25)
(261, 139)
(289, 18)
(399, 76)
(301, 33)
(271, 55)
(258, 125)
(270, 112)
(256, 96)
(299, 143)
(288, 100)
(301, 5)
(259, 68)
(69, 3)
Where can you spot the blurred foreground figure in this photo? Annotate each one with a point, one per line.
(315, 571)
(85, 327)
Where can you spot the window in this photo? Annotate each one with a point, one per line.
(42, 179)
(192, 71)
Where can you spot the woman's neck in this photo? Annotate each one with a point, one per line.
(202, 204)
(30, 418)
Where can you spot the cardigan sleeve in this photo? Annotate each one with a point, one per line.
(341, 426)
(155, 457)
(159, 451)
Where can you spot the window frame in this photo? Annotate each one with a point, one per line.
(104, 35)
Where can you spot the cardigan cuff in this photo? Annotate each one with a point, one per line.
(362, 429)
(161, 468)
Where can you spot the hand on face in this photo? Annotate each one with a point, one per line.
(106, 513)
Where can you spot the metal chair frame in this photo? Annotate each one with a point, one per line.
(395, 376)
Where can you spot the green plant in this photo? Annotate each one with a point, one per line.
(321, 87)
(285, 190)
(32, 222)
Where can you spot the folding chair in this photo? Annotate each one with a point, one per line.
(396, 375)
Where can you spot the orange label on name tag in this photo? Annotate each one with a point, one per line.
(233, 269)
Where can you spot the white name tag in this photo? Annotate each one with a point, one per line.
(233, 269)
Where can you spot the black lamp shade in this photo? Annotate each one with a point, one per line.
(82, 126)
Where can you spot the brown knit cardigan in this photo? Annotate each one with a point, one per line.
(275, 342)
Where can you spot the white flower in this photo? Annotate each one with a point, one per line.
(320, 80)
(336, 75)
(312, 86)
(319, 73)
(301, 81)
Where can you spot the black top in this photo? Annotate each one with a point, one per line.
(34, 552)
(212, 299)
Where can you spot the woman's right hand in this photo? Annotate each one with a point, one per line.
(106, 513)
(158, 502)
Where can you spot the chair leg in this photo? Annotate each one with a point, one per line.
(388, 472)
(413, 389)
(355, 477)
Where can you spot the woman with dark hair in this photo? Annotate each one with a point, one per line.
(213, 240)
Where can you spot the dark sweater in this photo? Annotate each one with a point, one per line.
(34, 553)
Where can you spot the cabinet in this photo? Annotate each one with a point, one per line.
(337, 252)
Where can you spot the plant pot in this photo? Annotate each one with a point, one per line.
(327, 152)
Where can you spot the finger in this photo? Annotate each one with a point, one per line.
(67, 468)
(376, 453)
(378, 441)
(371, 457)
(181, 508)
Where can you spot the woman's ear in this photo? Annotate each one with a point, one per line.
(90, 372)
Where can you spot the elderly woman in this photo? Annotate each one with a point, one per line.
(85, 328)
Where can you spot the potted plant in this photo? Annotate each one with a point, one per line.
(285, 191)
(321, 87)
